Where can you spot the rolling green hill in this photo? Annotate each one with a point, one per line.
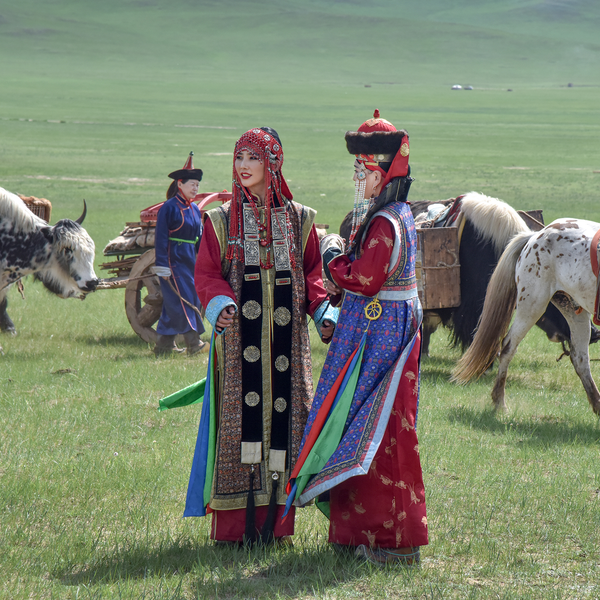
(502, 43)
(100, 100)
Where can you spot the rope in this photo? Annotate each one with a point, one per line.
(184, 300)
(107, 285)
(10, 283)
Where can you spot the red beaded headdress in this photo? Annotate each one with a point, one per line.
(268, 150)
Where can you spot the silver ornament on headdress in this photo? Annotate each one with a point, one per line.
(361, 206)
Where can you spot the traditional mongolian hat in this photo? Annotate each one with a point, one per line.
(380, 147)
(377, 146)
(188, 171)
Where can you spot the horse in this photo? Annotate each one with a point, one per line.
(489, 224)
(553, 265)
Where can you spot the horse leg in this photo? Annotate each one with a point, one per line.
(528, 312)
(580, 326)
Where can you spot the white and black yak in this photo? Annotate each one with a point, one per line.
(61, 256)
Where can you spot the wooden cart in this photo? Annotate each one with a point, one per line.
(38, 206)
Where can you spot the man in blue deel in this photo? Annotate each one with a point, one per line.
(178, 233)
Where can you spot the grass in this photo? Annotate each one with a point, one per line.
(94, 479)
(101, 100)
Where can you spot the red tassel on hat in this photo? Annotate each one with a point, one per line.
(376, 114)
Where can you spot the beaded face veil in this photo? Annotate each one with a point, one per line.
(361, 204)
(264, 146)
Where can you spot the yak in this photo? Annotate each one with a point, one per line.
(60, 256)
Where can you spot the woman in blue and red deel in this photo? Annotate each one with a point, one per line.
(368, 479)
(178, 234)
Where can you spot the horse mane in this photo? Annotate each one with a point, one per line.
(15, 210)
(493, 219)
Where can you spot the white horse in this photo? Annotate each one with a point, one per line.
(555, 265)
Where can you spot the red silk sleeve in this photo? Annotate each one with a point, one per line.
(313, 273)
(208, 278)
(367, 274)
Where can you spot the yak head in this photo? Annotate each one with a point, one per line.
(70, 270)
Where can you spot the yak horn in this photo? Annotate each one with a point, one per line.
(82, 217)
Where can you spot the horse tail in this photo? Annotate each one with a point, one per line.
(489, 225)
(497, 312)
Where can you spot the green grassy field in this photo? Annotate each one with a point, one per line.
(101, 100)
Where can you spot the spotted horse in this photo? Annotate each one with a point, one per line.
(557, 264)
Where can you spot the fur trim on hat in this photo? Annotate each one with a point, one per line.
(377, 142)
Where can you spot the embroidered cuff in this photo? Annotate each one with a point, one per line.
(332, 240)
(328, 256)
(214, 308)
(325, 312)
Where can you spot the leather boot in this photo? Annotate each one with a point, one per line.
(194, 343)
(165, 344)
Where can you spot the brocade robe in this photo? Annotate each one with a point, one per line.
(373, 480)
(272, 362)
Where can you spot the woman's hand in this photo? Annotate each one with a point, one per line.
(225, 319)
(331, 288)
(327, 330)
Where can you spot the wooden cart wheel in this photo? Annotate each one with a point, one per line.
(143, 298)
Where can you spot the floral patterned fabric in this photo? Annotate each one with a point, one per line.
(379, 435)
(380, 376)
(215, 278)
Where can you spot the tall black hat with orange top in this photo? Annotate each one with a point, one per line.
(188, 171)
(380, 147)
